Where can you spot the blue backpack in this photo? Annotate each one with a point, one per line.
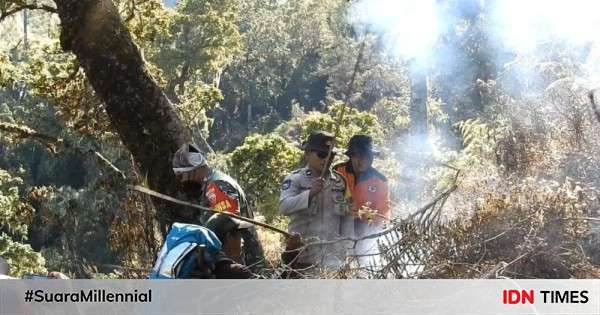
(176, 259)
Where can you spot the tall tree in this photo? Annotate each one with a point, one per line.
(418, 99)
(464, 62)
(138, 109)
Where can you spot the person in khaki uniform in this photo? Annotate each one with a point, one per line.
(317, 208)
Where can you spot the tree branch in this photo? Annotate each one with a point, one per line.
(25, 132)
(18, 9)
(52, 143)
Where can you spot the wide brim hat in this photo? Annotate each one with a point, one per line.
(188, 158)
(361, 145)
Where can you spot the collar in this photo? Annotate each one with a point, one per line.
(370, 172)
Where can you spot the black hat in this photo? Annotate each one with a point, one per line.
(220, 224)
(318, 141)
(361, 145)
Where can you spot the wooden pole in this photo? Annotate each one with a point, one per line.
(156, 194)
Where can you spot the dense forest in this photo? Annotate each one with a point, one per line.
(482, 110)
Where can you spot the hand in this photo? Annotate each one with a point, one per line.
(230, 270)
(239, 269)
(316, 187)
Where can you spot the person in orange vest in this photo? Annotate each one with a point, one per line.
(367, 187)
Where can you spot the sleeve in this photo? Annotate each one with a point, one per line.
(341, 170)
(222, 197)
(292, 199)
(226, 268)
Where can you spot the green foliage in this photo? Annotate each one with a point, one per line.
(15, 216)
(352, 122)
(299, 52)
(146, 20)
(200, 41)
(476, 136)
(21, 258)
(83, 217)
(194, 105)
(260, 164)
(237, 67)
(393, 115)
(7, 70)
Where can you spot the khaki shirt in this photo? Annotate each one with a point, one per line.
(324, 218)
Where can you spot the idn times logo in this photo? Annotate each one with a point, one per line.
(547, 296)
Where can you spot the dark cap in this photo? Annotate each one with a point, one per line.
(361, 145)
(187, 158)
(222, 223)
(318, 141)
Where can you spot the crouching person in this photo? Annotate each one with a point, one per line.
(203, 252)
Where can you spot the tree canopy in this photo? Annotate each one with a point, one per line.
(96, 95)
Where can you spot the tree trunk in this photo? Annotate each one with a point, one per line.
(418, 100)
(138, 109)
(25, 31)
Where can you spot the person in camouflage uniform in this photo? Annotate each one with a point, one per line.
(217, 190)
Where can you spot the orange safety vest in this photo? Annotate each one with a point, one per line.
(371, 190)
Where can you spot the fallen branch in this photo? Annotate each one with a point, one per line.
(394, 226)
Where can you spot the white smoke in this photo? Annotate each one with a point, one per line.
(410, 28)
(517, 31)
(524, 24)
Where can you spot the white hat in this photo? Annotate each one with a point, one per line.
(188, 158)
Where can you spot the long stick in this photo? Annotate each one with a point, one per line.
(188, 204)
(344, 105)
